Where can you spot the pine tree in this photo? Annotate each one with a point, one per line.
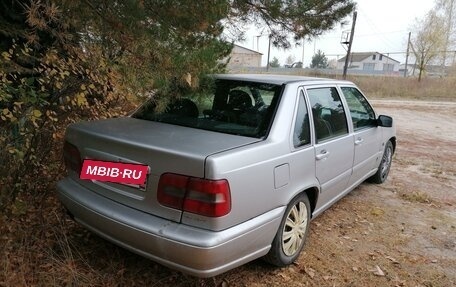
(319, 61)
(274, 63)
(62, 61)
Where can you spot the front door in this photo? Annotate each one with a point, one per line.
(367, 136)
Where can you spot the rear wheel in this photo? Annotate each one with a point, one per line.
(292, 233)
(385, 165)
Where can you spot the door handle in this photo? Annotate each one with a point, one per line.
(359, 141)
(323, 154)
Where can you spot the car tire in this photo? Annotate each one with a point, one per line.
(292, 233)
(384, 166)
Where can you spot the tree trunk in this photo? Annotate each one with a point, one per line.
(421, 67)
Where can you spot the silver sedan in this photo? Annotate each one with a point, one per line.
(220, 177)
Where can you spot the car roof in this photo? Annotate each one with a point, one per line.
(278, 79)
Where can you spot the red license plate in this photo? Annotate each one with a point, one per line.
(124, 173)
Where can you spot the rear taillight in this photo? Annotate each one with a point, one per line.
(72, 157)
(200, 196)
(208, 197)
(172, 189)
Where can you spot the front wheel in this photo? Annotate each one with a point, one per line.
(385, 165)
(292, 233)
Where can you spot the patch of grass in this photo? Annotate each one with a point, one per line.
(439, 170)
(405, 161)
(398, 88)
(431, 89)
(376, 211)
(65, 265)
(417, 196)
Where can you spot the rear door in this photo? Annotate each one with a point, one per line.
(367, 136)
(333, 144)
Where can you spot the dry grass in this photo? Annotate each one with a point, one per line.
(345, 245)
(65, 264)
(416, 196)
(431, 89)
(399, 88)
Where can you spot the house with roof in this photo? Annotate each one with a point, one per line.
(244, 57)
(370, 62)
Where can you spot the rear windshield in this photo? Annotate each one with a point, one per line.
(232, 107)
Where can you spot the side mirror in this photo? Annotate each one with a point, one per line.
(385, 121)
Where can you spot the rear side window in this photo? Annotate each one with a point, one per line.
(328, 113)
(301, 134)
(361, 112)
(227, 106)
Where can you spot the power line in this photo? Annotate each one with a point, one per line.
(388, 53)
(366, 35)
(374, 27)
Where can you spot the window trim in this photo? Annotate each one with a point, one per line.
(301, 89)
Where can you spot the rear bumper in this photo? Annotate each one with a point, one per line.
(195, 251)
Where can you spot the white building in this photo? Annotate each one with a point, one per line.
(243, 57)
(370, 61)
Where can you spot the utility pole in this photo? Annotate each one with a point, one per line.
(269, 52)
(407, 55)
(349, 45)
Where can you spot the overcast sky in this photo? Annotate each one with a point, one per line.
(381, 26)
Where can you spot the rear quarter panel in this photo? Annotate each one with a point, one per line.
(252, 174)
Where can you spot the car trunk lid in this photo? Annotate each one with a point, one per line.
(164, 148)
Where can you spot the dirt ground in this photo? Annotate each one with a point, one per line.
(400, 233)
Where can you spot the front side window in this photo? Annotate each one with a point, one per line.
(226, 106)
(301, 134)
(361, 112)
(328, 113)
